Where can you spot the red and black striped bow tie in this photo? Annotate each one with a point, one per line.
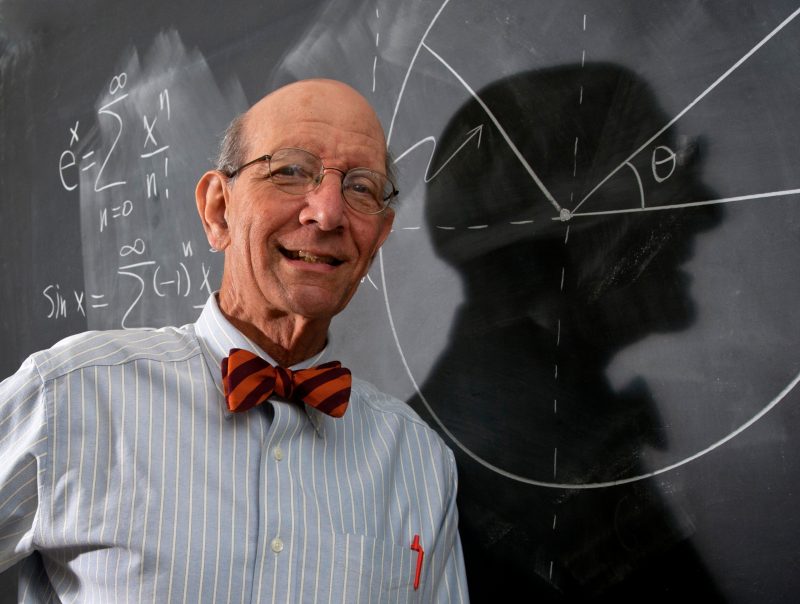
(249, 380)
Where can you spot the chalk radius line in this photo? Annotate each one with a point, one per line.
(691, 105)
(563, 213)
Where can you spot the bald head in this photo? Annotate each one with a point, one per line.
(319, 101)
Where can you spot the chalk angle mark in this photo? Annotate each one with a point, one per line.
(596, 485)
(626, 162)
(671, 123)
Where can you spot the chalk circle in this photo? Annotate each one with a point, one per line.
(562, 485)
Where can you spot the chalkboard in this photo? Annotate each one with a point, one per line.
(590, 289)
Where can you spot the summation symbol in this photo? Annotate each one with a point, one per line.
(162, 284)
(118, 82)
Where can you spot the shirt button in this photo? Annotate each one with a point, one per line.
(277, 545)
(277, 453)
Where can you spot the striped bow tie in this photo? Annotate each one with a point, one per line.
(249, 380)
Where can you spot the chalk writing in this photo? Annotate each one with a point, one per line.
(663, 163)
(58, 303)
(105, 110)
(140, 263)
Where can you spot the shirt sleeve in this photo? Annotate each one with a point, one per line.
(23, 440)
(451, 584)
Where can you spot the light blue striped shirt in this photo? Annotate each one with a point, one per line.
(124, 478)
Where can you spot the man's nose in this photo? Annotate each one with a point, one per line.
(325, 205)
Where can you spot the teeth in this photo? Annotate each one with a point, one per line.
(311, 258)
(306, 257)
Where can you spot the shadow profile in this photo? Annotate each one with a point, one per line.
(560, 275)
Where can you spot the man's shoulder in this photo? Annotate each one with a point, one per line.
(379, 402)
(368, 394)
(116, 347)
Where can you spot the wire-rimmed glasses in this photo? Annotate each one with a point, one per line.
(297, 171)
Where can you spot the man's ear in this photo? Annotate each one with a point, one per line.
(386, 227)
(211, 195)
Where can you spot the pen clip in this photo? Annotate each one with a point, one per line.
(415, 545)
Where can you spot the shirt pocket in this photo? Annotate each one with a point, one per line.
(364, 570)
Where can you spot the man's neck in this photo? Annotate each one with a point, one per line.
(288, 339)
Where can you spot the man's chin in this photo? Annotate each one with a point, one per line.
(317, 303)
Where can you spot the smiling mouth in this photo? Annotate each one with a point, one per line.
(310, 258)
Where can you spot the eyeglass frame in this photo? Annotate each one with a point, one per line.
(231, 174)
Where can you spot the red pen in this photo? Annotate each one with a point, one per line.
(420, 554)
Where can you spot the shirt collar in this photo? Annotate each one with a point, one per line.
(217, 336)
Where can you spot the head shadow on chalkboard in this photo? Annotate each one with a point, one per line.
(542, 292)
(560, 275)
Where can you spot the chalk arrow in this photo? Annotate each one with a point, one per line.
(475, 132)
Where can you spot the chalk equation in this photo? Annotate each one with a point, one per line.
(124, 168)
(133, 161)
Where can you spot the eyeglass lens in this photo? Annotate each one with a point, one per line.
(296, 171)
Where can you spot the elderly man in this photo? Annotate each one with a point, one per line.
(178, 465)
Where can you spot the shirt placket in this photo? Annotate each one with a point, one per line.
(276, 539)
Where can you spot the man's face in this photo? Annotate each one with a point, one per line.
(302, 254)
